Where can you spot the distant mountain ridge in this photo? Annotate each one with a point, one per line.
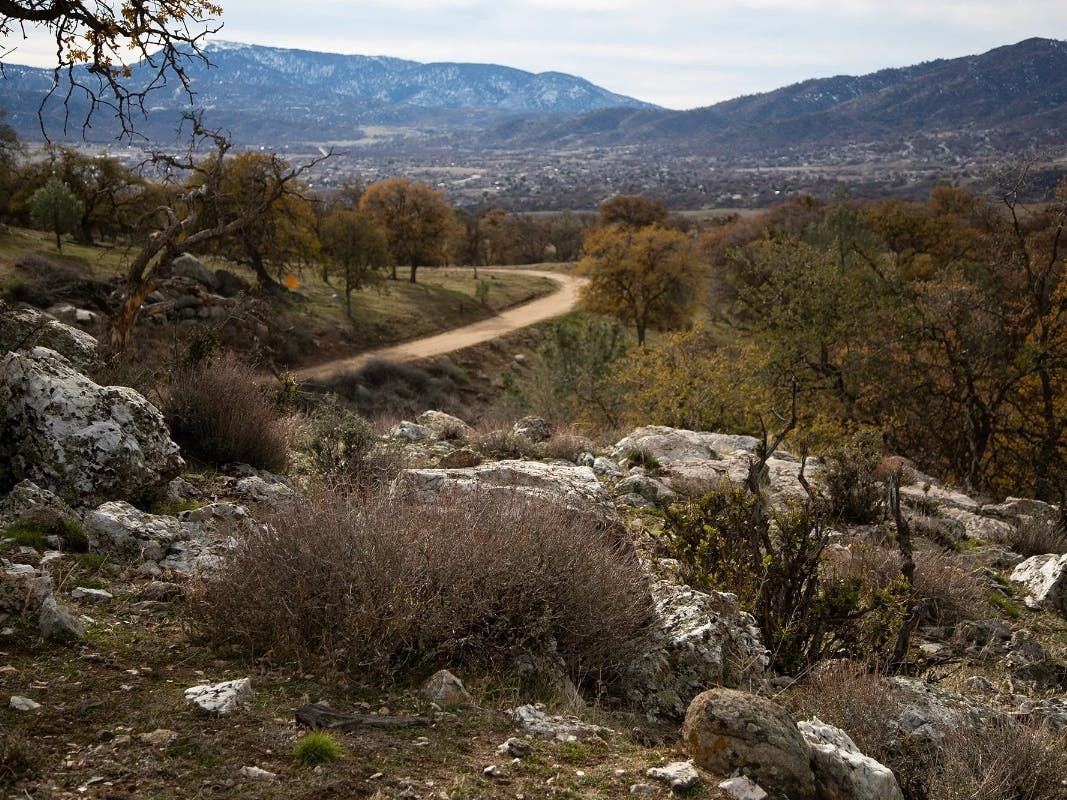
(1013, 93)
(270, 95)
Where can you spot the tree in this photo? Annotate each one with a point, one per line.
(643, 276)
(357, 245)
(179, 222)
(281, 233)
(416, 221)
(109, 192)
(93, 40)
(57, 208)
(633, 211)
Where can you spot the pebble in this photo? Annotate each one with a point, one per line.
(257, 774)
(23, 703)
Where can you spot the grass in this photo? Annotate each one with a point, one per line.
(317, 748)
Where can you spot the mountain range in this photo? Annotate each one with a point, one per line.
(270, 95)
(1008, 98)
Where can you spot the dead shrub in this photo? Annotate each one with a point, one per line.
(389, 388)
(218, 413)
(505, 444)
(387, 583)
(1036, 537)
(1008, 761)
(954, 590)
(566, 444)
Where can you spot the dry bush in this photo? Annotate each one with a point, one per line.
(1007, 761)
(505, 444)
(218, 413)
(566, 444)
(867, 707)
(387, 582)
(955, 591)
(1036, 537)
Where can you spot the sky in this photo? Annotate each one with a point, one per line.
(676, 53)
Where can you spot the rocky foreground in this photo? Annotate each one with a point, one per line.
(103, 529)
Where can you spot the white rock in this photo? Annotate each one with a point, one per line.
(257, 774)
(744, 788)
(120, 529)
(76, 438)
(605, 466)
(92, 595)
(220, 698)
(23, 703)
(701, 639)
(410, 432)
(28, 328)
(534, 720)
(842, 772)
(678, 775)
(575, 487)
(445, 426)
(160, 737)
(1045, 579)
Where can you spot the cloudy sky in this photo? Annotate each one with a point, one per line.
(678, 53)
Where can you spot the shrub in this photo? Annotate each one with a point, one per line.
(396, 389)
(386, 582)
(855, 494)
(954, 590)
(505, 444)
(339, 441)
(1036, 537)
(218, 413)
(1008, 761)
(317, 748)
(15, 759)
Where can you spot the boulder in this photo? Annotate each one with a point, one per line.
(410, 432)
(742, 788)
(576, 488)
(23, 329)
(56, 623)
(842, 772)
(727, 730)
(446, 690)
(700, 640)
(607, 467)
(220, 698)
(650, 489)
(189, 266)
(536, 429)
(29, 504)
(445, 426)
(83, 441)
(130, 534)
(1044, 578)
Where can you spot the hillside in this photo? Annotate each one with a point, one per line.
(1009, 96)
(269, 95)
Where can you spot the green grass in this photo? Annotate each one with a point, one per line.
(317, 748)
(1005, 604)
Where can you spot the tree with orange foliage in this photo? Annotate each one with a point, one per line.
(645, 277)
(416, 221)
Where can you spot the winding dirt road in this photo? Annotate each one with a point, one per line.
(554, 305)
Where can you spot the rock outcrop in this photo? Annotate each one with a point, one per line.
(22, 329)
(701, 640)
(1044, 579)
(83, 441)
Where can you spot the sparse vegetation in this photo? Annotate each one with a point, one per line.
(218, 412)
(392, 583)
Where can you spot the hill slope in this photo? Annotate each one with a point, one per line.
(272, 95)
(1013, 93)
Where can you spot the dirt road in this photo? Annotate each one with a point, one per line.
(554, 305)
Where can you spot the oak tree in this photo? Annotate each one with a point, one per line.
(416, 221)
(645, 277)
(352, 241)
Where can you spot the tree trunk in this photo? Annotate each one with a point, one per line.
(266, 282)
(125, 318)
(59, 244)
(413, 268)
